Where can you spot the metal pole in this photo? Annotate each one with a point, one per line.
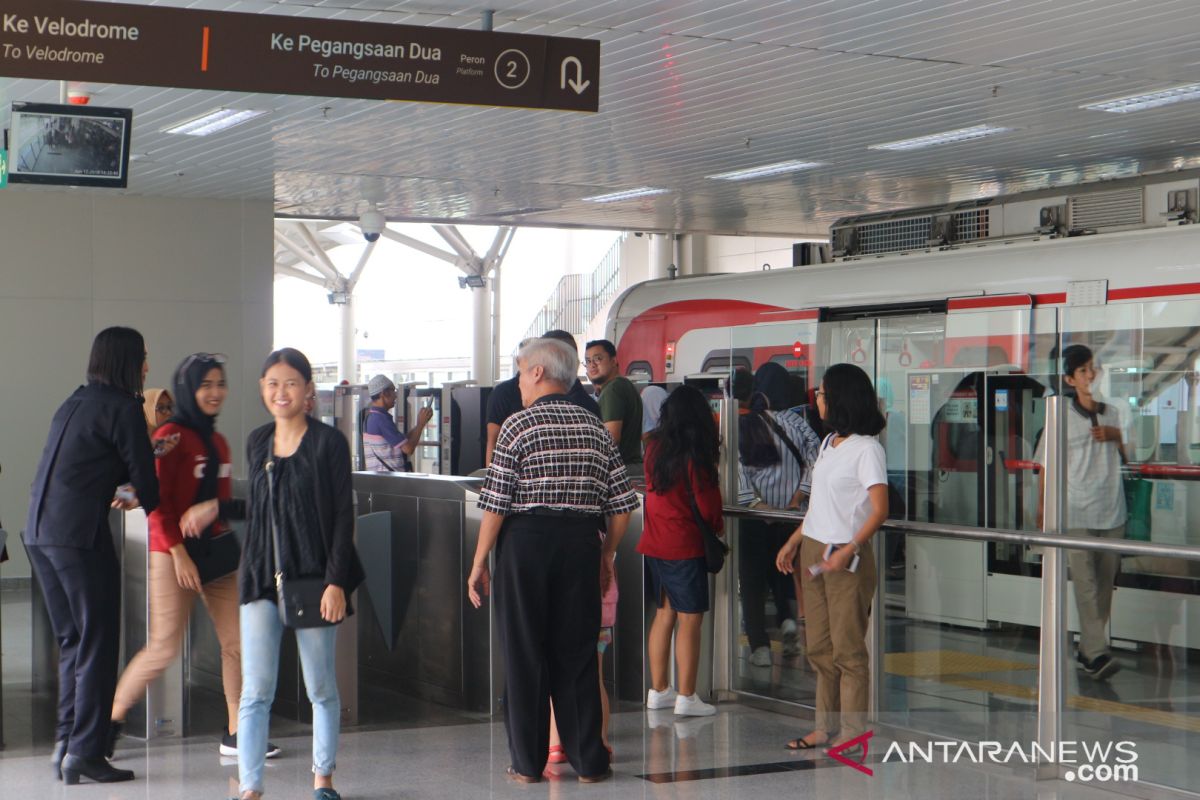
(63, 97)
(481, 355)
(1051, 679)
(347, 366)
(723, 618)
(495, 322)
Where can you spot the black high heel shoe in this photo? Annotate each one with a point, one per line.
(94, 769)
(56, 758)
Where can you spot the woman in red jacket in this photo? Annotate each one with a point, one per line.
(197, 469)
(681, 482)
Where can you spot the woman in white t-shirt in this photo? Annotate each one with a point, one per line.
(848, 503)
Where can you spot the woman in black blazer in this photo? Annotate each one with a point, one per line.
(307, 496)
(97, 443)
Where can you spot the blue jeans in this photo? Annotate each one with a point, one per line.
(261, 634)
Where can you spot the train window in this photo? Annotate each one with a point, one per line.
(640, 371)
(721, 362)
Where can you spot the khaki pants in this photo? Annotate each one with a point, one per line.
(170, 606)
(836, 609)
(1093, 575)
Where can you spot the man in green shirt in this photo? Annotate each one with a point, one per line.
(620, 403)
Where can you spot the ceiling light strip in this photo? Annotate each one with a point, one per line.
(1141, 102)
(215, 121)
(628, 194)
(765, 171)
(946, 137)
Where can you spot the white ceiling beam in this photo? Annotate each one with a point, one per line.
(307, 233)
(427, 249)
(352, 281)
(304, 256)
(456, 240)
(495, 254)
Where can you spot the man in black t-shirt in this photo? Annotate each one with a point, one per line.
(505, 399)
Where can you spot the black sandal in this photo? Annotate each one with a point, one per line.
(802, 743)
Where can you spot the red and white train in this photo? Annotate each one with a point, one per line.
(952, 310)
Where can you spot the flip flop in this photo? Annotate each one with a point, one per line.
(802, 744)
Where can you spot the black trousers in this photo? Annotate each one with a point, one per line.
(82, 589)
(547, 594)
(758, 545)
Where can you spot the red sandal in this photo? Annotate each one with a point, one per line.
(557, 754)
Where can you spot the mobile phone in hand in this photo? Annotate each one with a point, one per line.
(833, 548)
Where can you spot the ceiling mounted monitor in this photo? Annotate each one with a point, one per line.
(69, 145)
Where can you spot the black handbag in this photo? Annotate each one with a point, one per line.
(214, 556)
(299, 599)
(715, 548)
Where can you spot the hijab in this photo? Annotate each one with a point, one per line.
(188, 377)
(149, 404)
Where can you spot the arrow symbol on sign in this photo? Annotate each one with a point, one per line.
(577, 83)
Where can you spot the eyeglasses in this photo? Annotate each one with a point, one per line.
(820, 392)
(596, 360)
(164, 408)
(205, 358)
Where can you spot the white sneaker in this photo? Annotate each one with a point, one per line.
(691, 727)
(791, 643)
(761, 657)
(660, 717)
(693, 706)
(663, 699)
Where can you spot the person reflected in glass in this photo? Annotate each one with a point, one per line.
(848, 504)
(681, 485)
(1095, 504)
(776, 450)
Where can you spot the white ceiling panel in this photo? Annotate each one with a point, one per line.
(691, 88)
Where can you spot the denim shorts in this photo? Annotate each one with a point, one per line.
(684, 581)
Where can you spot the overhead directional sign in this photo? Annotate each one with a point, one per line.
(184, 48)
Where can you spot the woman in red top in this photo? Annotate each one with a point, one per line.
(681, 481)
(197, 469)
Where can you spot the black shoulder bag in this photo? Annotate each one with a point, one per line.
(715, 548)
(215, 556)
(299, 598)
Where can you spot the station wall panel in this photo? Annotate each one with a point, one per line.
(191, 275)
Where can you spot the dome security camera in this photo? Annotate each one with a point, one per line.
(372, 222)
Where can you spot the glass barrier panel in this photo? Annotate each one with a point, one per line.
(960, 637)
(1133, 473)
(768, 628)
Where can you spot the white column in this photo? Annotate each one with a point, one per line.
(347, 366)
(695, 254)
(481, 355)
(661, 247)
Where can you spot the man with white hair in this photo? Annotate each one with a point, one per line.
(555, 472)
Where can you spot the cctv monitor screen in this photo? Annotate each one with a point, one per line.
(69, 145)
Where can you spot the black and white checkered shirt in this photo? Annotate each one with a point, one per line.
(554, 455)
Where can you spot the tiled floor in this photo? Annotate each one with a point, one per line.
(420, 750)
(657, 757)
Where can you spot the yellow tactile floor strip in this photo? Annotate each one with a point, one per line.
(1151, 716)
(932, 663)
(953, 668)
